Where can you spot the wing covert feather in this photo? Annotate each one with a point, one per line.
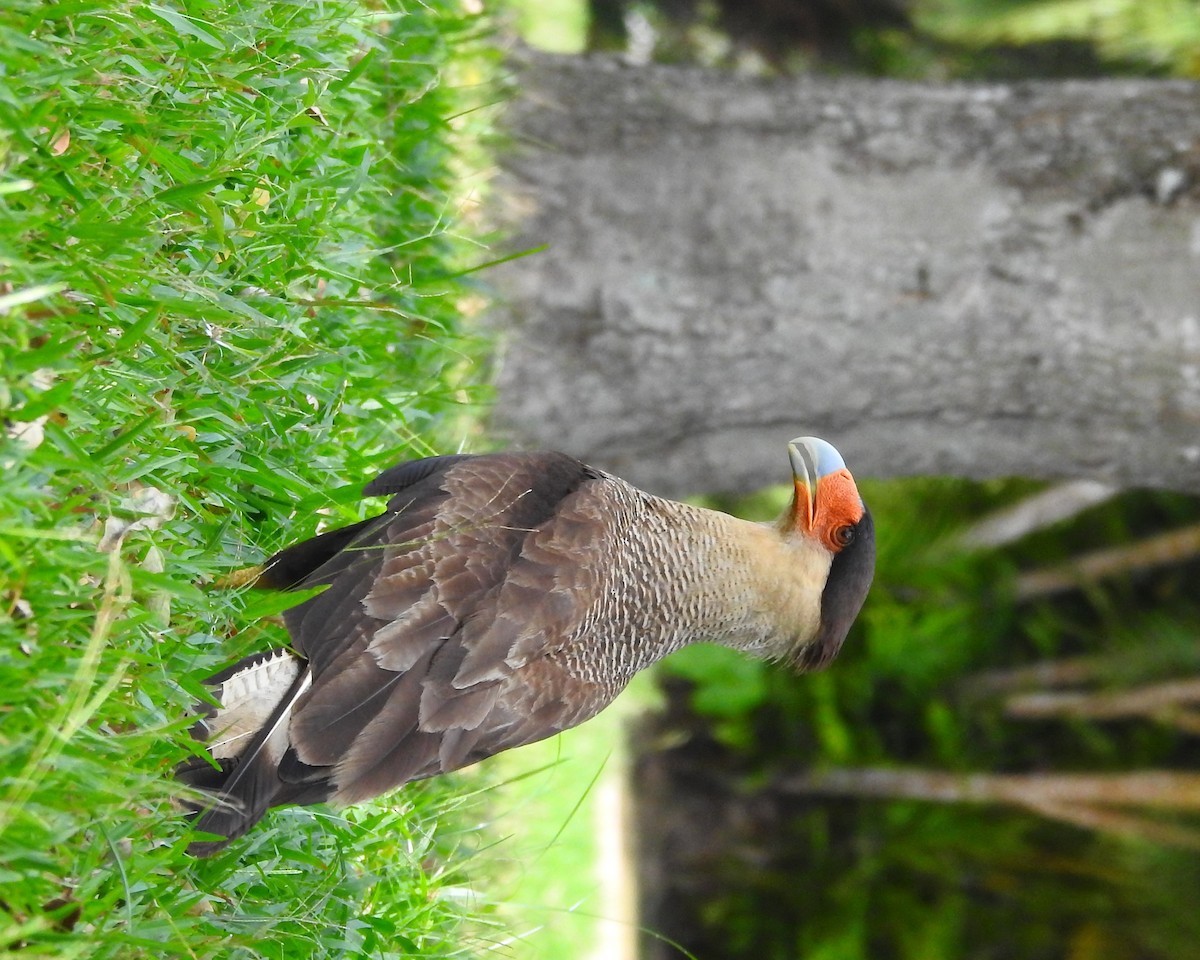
(413, 643)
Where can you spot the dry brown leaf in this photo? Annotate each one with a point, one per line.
(61, 143)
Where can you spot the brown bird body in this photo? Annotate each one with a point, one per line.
(501, 599)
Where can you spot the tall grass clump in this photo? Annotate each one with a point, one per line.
(227, 296)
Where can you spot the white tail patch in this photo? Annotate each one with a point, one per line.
(248, 698)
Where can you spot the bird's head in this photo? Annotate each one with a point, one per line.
(828, 511)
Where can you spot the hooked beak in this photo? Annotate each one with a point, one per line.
(812, 458)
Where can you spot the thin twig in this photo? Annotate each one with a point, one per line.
(1163, 550)
(1067, 672)
(1042, 510)
(1111, 821)
(1166, 789)
(1150, 700)
(1084, 800)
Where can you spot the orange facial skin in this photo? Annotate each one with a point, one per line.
(832, 508)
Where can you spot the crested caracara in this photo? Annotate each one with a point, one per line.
(500, 599)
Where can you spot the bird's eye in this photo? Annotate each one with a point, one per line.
(844, 536)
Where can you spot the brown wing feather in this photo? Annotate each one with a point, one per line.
(512, 674)
(412, 642)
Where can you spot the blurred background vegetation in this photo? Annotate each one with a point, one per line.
(926, 39)
(235, 254)
(1000, 764)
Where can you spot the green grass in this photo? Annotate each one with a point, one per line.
(550, 817)
(227, 297)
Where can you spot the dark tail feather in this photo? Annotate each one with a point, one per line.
(293, 565)
(256, 697)
(231, 814)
